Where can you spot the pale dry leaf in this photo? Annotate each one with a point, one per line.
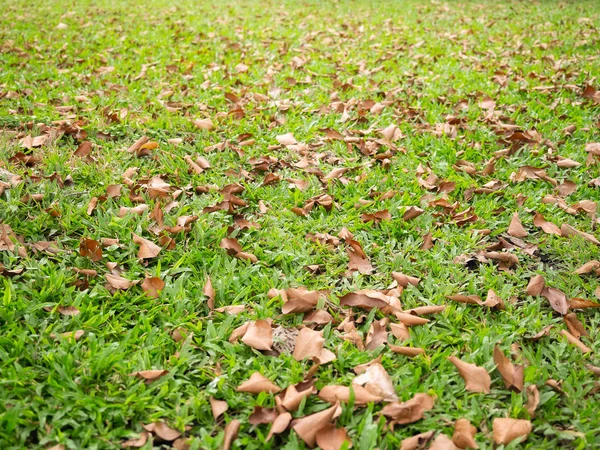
(512, 374)
(280, 424)
(477, 379)
(533, 399)
(259, 335)
(309, 344)
(516, 228)
(153, 286)
(464, 434)
(307, 427)
(409, 411)
(258, 383)
(377, 381)
(148, 249)
(218, 407)
(507, 430)
(133, 442)
(332, 438)
(231, 432)
(418, 441)
(162, 430)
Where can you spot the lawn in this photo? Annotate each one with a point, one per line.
(264, 224)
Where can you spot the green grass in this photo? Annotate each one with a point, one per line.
(429, 60)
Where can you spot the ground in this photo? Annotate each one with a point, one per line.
(468, 127)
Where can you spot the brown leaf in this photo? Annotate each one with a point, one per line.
(417, 442)
(369, 299)
(84, 149)
(75, 335)
(536, 285)
(137, 145)
(259, 335)
(580, 303)
(576, 342)
(286, 139)
(334, 394)
(234, 248)
(407, 351)
(377, 381)
(569, 231)
(332, 438)
(493, 300)
(231, 432)
(464, 434)
(511, 374)
(427, 241)
(377, 334)
(588, 267)
(442, 442)
(262, 415)
(309, 344)
(135, 442)
(409, 411)
(547, 227)
(533, 399)
(162, 430)
(376, 216)
(90, 248)
(148, 249)
(118, 282)
(575, 327)
(280, 424)
(358, 260)
(292, 398)
(412, 212)
(204, 124)
(209, 292)
(507, 430)
(477, 379)
(153, 286)
(558, 300)
(307, 427)
(516, 228)
(258, 383)
(218, 407)
(296, 300)
(149, 375)
(400, 331)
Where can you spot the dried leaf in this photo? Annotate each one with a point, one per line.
(409, 411)
(231, 432)
(148, 249)
(377, 381)
(407, 351)
(516, 228)
(507, 430)
(536, 285)
(575, 327)
(576, 342)
(332, 438)
(309, 344)
(218, 407)
(134, 442)
(259, 335)
(464, 434)
(258, 383)
(307, 427)
(118, 282)
(149, 375)
(417, 442)
(335, 393)
(280, 424)
(511, 374)
(533, 399)
(162, 430)
(558, 300)
(153, 286)
(90, 248)
(477, 379)
(210, 293)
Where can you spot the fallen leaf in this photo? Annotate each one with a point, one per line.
(516, 228)
(558, 300)
(280, 424)
(259, 335)
(536, 285)
(442, 442)
(204, 124)
(464, 434)
(533, 399)
(262, 415)
(507, 430)
(417, 442)
(331, 438)
(162, 430)
(90, 248)
(377, 334)
(309, 344)
(335, 393)
(511, 374)
(547, 227)
(210, 293)
(307, 427)
(409, 411)
(377, 381)
(153, 286)
(477, 379)
(404, 280)
(575, 326)
(135, 442)
(576, 342)
(407, 351)
(118, 282)
(149, 375)
(589, 267)
(148, 249)
(231, 432)
(569, 231)
(258, 383)
(218, 407)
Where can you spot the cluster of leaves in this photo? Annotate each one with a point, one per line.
(246, 226)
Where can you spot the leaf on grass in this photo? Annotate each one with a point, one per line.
(291, 398)
(262, 415)
(90, 248)
(536, 285)
(209, 292)
(464, 434)
(558, 300)
(358, 260)
(149, 375)
(296, 300)
(369, 299)
(286, 139)
(153, 286)
(231, 432)
(335, 393)
(118, 282)
(234, 248)
(377, 381)
(580, 303)
(307, 427)
(258, 383)
(576, 342)
(516, 228)
(589, 267)
(493, 300)
(507, 430)
(162, 430)
(377, 334)
(218, 407)
(407, 351)
(137, 145)
(409, 411)
(280, 424)
(575, 326)
(204, 124)
(400, 331)
(411, 213)
(511, 374)
(418, 441)
(569, 231)
(376, 217)
(547, 227)
(404, 280)
(477, 379)
(135, 442)
(309, 344)
(332, 438)
(75, 335)
(259, 335)
(533, 399)
(148, 249)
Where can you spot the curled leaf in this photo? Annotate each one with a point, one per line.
(477, 379)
